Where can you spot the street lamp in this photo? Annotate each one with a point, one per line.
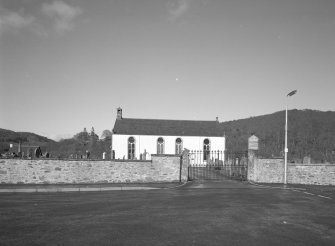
(286, 149)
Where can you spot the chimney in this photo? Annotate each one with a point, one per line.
(119, 113)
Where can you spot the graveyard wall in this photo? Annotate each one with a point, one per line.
(272, 171)
(162, 168)
(314, 174)
(266, 170)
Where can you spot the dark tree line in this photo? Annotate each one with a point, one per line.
(310, 133)
(81, 144)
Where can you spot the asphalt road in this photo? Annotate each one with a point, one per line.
(200, 213)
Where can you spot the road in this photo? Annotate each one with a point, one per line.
(199, 213)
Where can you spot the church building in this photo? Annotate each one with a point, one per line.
(140, 138)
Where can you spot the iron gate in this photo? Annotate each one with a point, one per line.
(212, 166)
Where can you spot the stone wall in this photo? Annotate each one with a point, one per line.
(314, 174)
(161, 168)
(266, 170)
(272, 171)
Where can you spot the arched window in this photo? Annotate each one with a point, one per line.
(207, 149)
(131, 148)
(179, 146)
(160, 145)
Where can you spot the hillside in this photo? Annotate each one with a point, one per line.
(11, 136)
(310, 133)
(8, 137)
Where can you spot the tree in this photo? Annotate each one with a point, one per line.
(82, 137)
(106, 134)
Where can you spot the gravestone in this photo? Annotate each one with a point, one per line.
(307, 160)
(38, 152)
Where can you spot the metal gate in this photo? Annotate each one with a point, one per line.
(212, 166)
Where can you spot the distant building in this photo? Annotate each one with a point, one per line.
(139, 138)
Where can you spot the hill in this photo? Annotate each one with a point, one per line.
(8, 137)
(310, 133)
(27, 137)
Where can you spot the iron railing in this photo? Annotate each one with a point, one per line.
(205, 158)
(214, 172)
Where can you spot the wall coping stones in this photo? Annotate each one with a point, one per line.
(59, 159)
(165, 155)
(312, 164)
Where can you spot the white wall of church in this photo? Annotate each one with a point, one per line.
(148, 143)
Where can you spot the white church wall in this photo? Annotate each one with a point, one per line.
(148, 144)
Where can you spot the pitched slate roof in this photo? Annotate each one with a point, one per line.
(129, 126)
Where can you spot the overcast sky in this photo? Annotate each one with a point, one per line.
(66, 65)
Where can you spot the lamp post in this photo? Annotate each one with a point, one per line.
(286, 149)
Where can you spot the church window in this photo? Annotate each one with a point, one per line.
(131, 148)
(160, 145)
(207, 149)
(179, 146)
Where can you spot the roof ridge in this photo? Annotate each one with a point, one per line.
(169, 120)
(167, 127)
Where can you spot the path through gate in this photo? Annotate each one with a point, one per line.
(212, 166)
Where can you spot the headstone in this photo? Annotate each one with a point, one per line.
(30, 153)
(104, 155)
(144, 154)
(307, 160)
(38, 152)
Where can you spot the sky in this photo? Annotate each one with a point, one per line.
(69, 64)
